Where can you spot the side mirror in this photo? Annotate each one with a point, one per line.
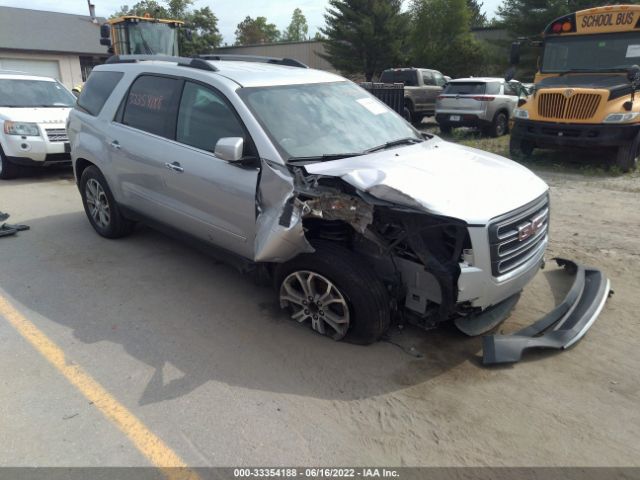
(633, 75)
(188, 34)
(105, 30)
(514, 54)
(105, 41)
(508, 76)
(229, 149)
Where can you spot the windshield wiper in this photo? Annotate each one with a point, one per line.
(394, 143)
(323, 158)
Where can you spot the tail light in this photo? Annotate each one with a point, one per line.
(484, 98)
(440, 97)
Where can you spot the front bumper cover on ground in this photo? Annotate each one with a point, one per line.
(563, 326)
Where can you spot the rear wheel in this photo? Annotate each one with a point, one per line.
(446, 129)
(8, 169)
(336, 293)
(100, 206)
(406, 113)
(520, 149)
(499, 125)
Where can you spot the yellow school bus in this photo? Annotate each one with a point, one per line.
(584, 93)
(134, 35)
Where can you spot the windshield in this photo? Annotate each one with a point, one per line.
(593, 53)
(148, 38)
(34, 93)
(325, 119)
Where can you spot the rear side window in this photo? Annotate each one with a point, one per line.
(466, 88)
(204, 118)
(97, 90)
(511, 89)
(408, 77)
(427, 78)
(151, 105)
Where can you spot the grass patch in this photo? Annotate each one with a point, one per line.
(583, 162)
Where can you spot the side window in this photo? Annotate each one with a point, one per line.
(510, 89)
(427, 78)
(151, 105)
(204, 118)
(440, 81)
(493, 88)
(97, 90)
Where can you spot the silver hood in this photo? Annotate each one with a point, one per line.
(441, 178)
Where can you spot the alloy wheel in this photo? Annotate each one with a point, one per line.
(311, 296)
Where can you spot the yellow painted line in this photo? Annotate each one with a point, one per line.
(152, 447)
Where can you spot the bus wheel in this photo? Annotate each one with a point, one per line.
(520, 148)
(627, 156)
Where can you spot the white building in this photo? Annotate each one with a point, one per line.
(58, 45)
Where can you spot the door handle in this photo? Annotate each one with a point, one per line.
(115, 144)
(175, 166)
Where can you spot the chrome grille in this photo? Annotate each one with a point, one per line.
(509, 245)
(580, 106)
(57, 134)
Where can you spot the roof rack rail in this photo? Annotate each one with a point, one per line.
(198, 63)
(289, 62)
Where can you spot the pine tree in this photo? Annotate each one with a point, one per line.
(364, 36)
(298, 29)
(253, 31)
(441, 37)
(478, 18)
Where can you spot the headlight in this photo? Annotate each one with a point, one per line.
(21, 128)
(621, 117)
(520, 113)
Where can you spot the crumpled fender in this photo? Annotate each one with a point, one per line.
(279, 232)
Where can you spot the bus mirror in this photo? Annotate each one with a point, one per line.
(105, 41)
(105, 30)
(514, 54)
(188, 34)
(633, 75)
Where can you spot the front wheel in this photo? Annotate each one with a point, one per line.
(627, 155)
(8, 170)
(100, 206)
(336, 293)
(520, 149)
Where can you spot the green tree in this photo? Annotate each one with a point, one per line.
(202, 22)
(298, 28)
(478, 18)
(252, 31)
(441, 37)
(364, 36)
(528, 18)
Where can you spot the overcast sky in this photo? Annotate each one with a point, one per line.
(229, 12)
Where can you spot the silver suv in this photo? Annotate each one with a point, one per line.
(485, 103)
(303, 176)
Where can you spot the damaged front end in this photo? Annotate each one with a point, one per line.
(416, 254)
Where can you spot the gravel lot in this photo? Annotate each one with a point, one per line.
(206, 361)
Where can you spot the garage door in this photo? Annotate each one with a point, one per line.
(48, 68)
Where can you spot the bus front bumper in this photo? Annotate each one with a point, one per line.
(551, 134)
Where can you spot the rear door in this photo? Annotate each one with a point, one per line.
(511, 95)
(430, 90)
(138, 142)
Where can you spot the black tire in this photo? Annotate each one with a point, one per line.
(8, 170)
(499, 124)
(364, 292)
(520, 149)
(446, 129)
(406, 113)
(627, 155)
(117, 226)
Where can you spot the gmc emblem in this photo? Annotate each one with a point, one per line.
(529, 229)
